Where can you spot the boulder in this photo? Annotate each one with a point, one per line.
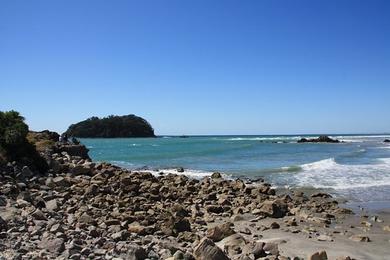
(360, 238)
(80, 170)
(386, 141)
(207, 250)
(38, 215)
(318, 256)
(55, 246)
(52, 205)
(271, 248)
(61, 181)
(74, 150)
(274, 209)
(175, 225)
(216, 175)
(219, 232)
(25, 173)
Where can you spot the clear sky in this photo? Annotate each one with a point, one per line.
(199, 66)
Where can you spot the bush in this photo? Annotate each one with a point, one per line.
(14, 145)
(13, 130)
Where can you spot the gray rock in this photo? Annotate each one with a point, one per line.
(61, 181)
(207, 250)
(3, 224)
(274, 209)
(135, 252)
(38, 215)
(52, 205)
(219, 232)
(86, 219)
(121, 235)
(25, 173)
(55, 246)
(3, 201)
(360, 238)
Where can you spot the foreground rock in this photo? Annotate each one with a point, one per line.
(207, 250)
(321, 139)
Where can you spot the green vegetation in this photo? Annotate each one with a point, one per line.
(112, 126)
(14, 145)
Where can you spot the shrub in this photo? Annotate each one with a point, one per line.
(14, 145)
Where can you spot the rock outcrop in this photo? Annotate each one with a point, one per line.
(321, 139)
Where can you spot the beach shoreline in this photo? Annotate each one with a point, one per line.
(81, 202)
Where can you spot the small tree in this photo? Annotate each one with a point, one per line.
(14, 145)
(13, 130)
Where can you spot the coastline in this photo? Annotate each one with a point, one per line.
(97, 210)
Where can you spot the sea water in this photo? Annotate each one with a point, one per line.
(358, 168)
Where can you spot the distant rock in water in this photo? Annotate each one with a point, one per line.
(321, 139)
(111, 127)
(386, 141)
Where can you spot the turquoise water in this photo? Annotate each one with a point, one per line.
(359, 168)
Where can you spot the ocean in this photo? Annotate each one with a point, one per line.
(357, 169)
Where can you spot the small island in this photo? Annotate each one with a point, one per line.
(112, 127)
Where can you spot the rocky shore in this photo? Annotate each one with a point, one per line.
(80, 209)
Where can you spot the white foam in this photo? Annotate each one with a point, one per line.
(196, 174)
(279, 138)
(123, 164)
(359, 138)
(329, 174)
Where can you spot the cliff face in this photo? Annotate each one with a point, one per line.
(111, 127)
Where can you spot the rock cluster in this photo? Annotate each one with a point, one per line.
(81, 209)
(321, 139)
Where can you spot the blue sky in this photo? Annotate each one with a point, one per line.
(199, 67)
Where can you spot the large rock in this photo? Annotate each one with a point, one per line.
(360, 238)
(3, 224)
(74, 150)
(274, 209)
(52, 205)
(55, 246)
(321, 139)
(219, 232)
(135, 252)
(175, 225)
(207, 250)
(386, 141)
(318, 256)
(25, 173)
